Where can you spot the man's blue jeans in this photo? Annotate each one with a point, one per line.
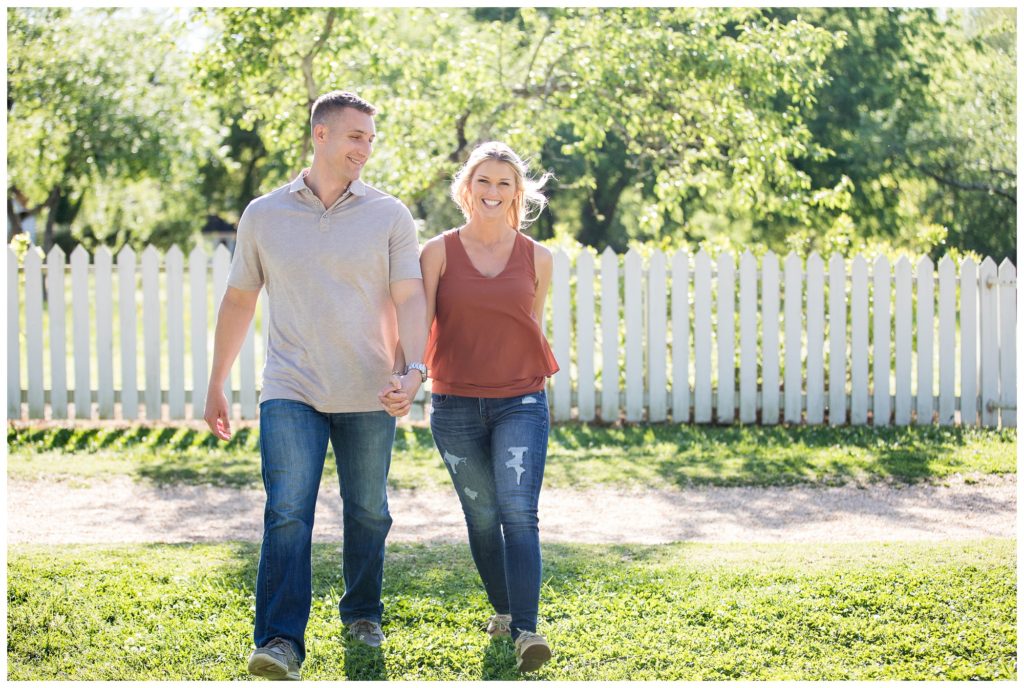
(495, 451)
(293, 446)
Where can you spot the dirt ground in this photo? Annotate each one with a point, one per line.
(120, 510)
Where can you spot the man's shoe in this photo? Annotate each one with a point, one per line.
(499, 625)
(367, 632)
(276, 660)
(531, 651)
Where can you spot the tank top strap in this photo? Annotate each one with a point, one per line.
(454, 254)
(524, 253)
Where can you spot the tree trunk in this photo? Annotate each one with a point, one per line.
(51, 209)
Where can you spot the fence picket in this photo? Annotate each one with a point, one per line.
(836, 340)
(770, 339)
(859, 341)
(197, 263)
(657, 340)
(609, 336)
(34, 331)
(151, 330)
(634, 321)
(702, 337)
(680, 337)
(55, 269)
(815, 339)
(1007, 344)
(969, 342)
(903, 331)
(748, 338)
(80, 302)
(102, 262)
(561, 323)
(988, 322)
(925, 337)
(725, 338)
(13, 337)
(129, 329)
(585, 335)
(175, 261)
(947, 341)
(793, 380)
(881, 413)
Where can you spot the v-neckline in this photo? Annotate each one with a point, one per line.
(469, 259)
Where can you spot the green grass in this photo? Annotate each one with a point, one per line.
(685, 611)
(644, 456)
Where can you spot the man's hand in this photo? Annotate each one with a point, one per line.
(397, 397)
(217, 414)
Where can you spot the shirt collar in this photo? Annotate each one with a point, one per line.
(356, 188)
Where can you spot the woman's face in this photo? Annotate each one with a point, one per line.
(492, 189)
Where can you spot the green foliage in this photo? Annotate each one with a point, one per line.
(900, 611)
(580, 456)
(98, 131)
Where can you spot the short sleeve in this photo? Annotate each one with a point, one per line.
(403, 248)
(246, 268)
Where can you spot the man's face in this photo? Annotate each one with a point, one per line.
(346, 141)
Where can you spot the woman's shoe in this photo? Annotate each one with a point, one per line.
(531, 651)
(499, 625)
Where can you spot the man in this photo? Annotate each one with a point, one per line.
(340, 264)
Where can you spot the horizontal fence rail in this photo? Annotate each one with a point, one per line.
(675, 338)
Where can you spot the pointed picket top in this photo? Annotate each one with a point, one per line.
(836, 262)
(967, 263)
(221, 250)
(197, 254)
(881, 265)
(859, 262)
(702, 254)
(34, 257)
(793, 262)
(586, 257)
(633, 258)
(924, 265)
(725, 260)
(103, 254)
(79, 255)
(680, 260)
(770, 255)
(815, 260)
(175, 253)
(126, 253)
(1007, 273)
(747, 258)
(903, 264)
(56, 255)
(151, 253)
(606, 252)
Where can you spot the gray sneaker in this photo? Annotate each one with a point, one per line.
(367, 632)
(499, 625)
(531, 651)
(276, 660)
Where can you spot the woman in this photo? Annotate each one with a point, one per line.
(485, 284)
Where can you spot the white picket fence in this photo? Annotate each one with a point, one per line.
(850, 342)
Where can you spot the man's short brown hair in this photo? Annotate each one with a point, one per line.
(329, 103)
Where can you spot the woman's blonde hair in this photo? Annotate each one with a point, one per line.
(528, 201)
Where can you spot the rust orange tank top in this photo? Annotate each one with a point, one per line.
(484, 341)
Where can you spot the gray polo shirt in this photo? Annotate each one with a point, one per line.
(327, 274)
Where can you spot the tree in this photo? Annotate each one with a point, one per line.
(95, 105)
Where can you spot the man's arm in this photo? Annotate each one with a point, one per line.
(411, 309)
(233, 318)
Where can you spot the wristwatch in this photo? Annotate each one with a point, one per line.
(422, 368)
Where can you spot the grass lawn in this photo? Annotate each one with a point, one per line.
(684, 611)
(645, 456)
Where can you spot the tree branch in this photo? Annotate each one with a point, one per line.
(966, 186)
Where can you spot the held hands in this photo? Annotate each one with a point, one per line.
(397, 397)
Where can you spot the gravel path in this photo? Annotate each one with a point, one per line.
(120, 510)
